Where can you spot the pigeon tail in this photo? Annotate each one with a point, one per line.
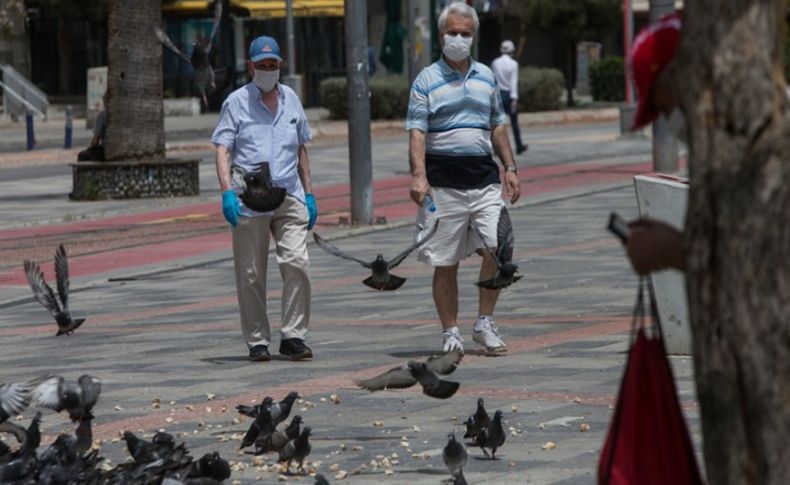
(71, 328)
(393, 283)
(492, 284)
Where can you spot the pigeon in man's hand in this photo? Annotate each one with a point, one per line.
(44, 294)
(503, 256)
(478, 421)
(424, 373)
(77, 399)
(204, 72)
(381, 279)
(492, 437)
(454, 455)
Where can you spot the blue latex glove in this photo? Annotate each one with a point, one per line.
(231, 207)
(312, 210)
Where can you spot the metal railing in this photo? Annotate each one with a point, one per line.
(20, 95)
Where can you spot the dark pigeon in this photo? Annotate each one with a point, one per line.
(212, 466)
(296, 450)
(260, 428)
(277, 440)
(503, 256)
(77, 399)
(321, 480)
(381, 279)
(424, 373)
(253, 411)
(493, 437)
(454, 455)
(460, 479)
(279, 410)
(204, 72)
(44, 294)
(146, 451)
(479, 420)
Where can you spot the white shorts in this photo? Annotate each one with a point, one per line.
(455, 239)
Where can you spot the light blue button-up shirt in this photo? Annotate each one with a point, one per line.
(253, 134)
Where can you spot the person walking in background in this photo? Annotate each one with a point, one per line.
(506, 71)
(263, 121)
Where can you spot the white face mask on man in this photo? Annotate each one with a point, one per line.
(457, 47)
(265, 80)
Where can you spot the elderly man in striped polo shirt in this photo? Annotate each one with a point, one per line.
(455, 117)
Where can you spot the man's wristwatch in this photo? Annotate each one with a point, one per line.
(512, 168)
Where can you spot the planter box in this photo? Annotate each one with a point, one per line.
(182, 106)
(135, 179)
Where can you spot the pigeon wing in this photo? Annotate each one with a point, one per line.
(326, 246)
(164, 39)
(15, 397)
(399, 258)
(91, 388)
(444, 364)
(482, 238)
(504, 236)
(41, 290)
(62, 276)
(396, 378)
(215, 27)
(48, 393)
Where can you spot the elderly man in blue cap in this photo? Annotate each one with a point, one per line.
(264, 121)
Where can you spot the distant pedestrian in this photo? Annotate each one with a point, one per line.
(505, 69)
(95, 152)
(263, 121)
(455, 116)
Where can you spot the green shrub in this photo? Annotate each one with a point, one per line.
(607, 79)
(540, 89)
(389, 97)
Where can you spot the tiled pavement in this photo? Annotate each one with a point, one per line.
(174, 336)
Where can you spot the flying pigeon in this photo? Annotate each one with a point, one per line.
(15, 397)
(381, 278)
(424, 373)
(454, 455)
(503, 256)
(77, 399)
(44, 294)
(478, 421)
(492, 437)
(204, 72)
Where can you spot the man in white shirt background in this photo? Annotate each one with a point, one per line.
(506, 71)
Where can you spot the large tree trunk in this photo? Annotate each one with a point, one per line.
(135, 126)
(728, 75)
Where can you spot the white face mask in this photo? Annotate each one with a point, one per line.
(456, 47)
(265, 80)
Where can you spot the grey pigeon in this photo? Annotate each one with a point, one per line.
(15, 397)
(260, 428)
(460, 479)
(78, 399)
(321, 480)
(503, 256)
(277, 440)
(381, 279)
(296, 450)
(147, 451)
(454, 455)
(253, 411)
(204, 72)
(44, 294)
(424, 373)
(492, 437)
(279, 410)
(479, 420)
(212, 466)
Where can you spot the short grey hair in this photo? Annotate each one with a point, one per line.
(458, 8)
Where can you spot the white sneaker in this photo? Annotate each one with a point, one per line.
(486, 334)
(452, 341)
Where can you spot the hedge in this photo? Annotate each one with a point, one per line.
(539, 89)
(607, 79)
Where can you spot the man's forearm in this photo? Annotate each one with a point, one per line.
(502, 146)
(223, 168)
(417, 153)
(304, 169)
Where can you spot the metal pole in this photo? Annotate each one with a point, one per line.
(289, 28)
(31, 137)
(356, 24)
(665, 144)
(69, 125)
(628, 36)
(412, 52)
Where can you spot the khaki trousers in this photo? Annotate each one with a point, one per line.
(288, 225)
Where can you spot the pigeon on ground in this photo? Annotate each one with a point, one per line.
(492, 437)
(321, 480)
(424, 373)
(503, 256)
(279, 410)
(44, 294)
(381, 279)
(296, 450)
(78, 399)
(212, 466)
(277, 440)
(460, 479)
(479, 420)
(18, 469)
(253, 411)
(454, 455)
(148, 451)
(32, 437)
(260, 428)
(204, 72)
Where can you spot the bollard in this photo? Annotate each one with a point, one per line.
(31, 137)
(69, 123)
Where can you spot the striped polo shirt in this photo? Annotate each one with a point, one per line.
(456, 112)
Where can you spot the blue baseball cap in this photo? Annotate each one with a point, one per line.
(264, 48)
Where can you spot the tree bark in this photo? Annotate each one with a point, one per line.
(135, 128)
(728, 79)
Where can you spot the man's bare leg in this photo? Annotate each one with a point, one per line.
(445, 294)
(488, 298)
